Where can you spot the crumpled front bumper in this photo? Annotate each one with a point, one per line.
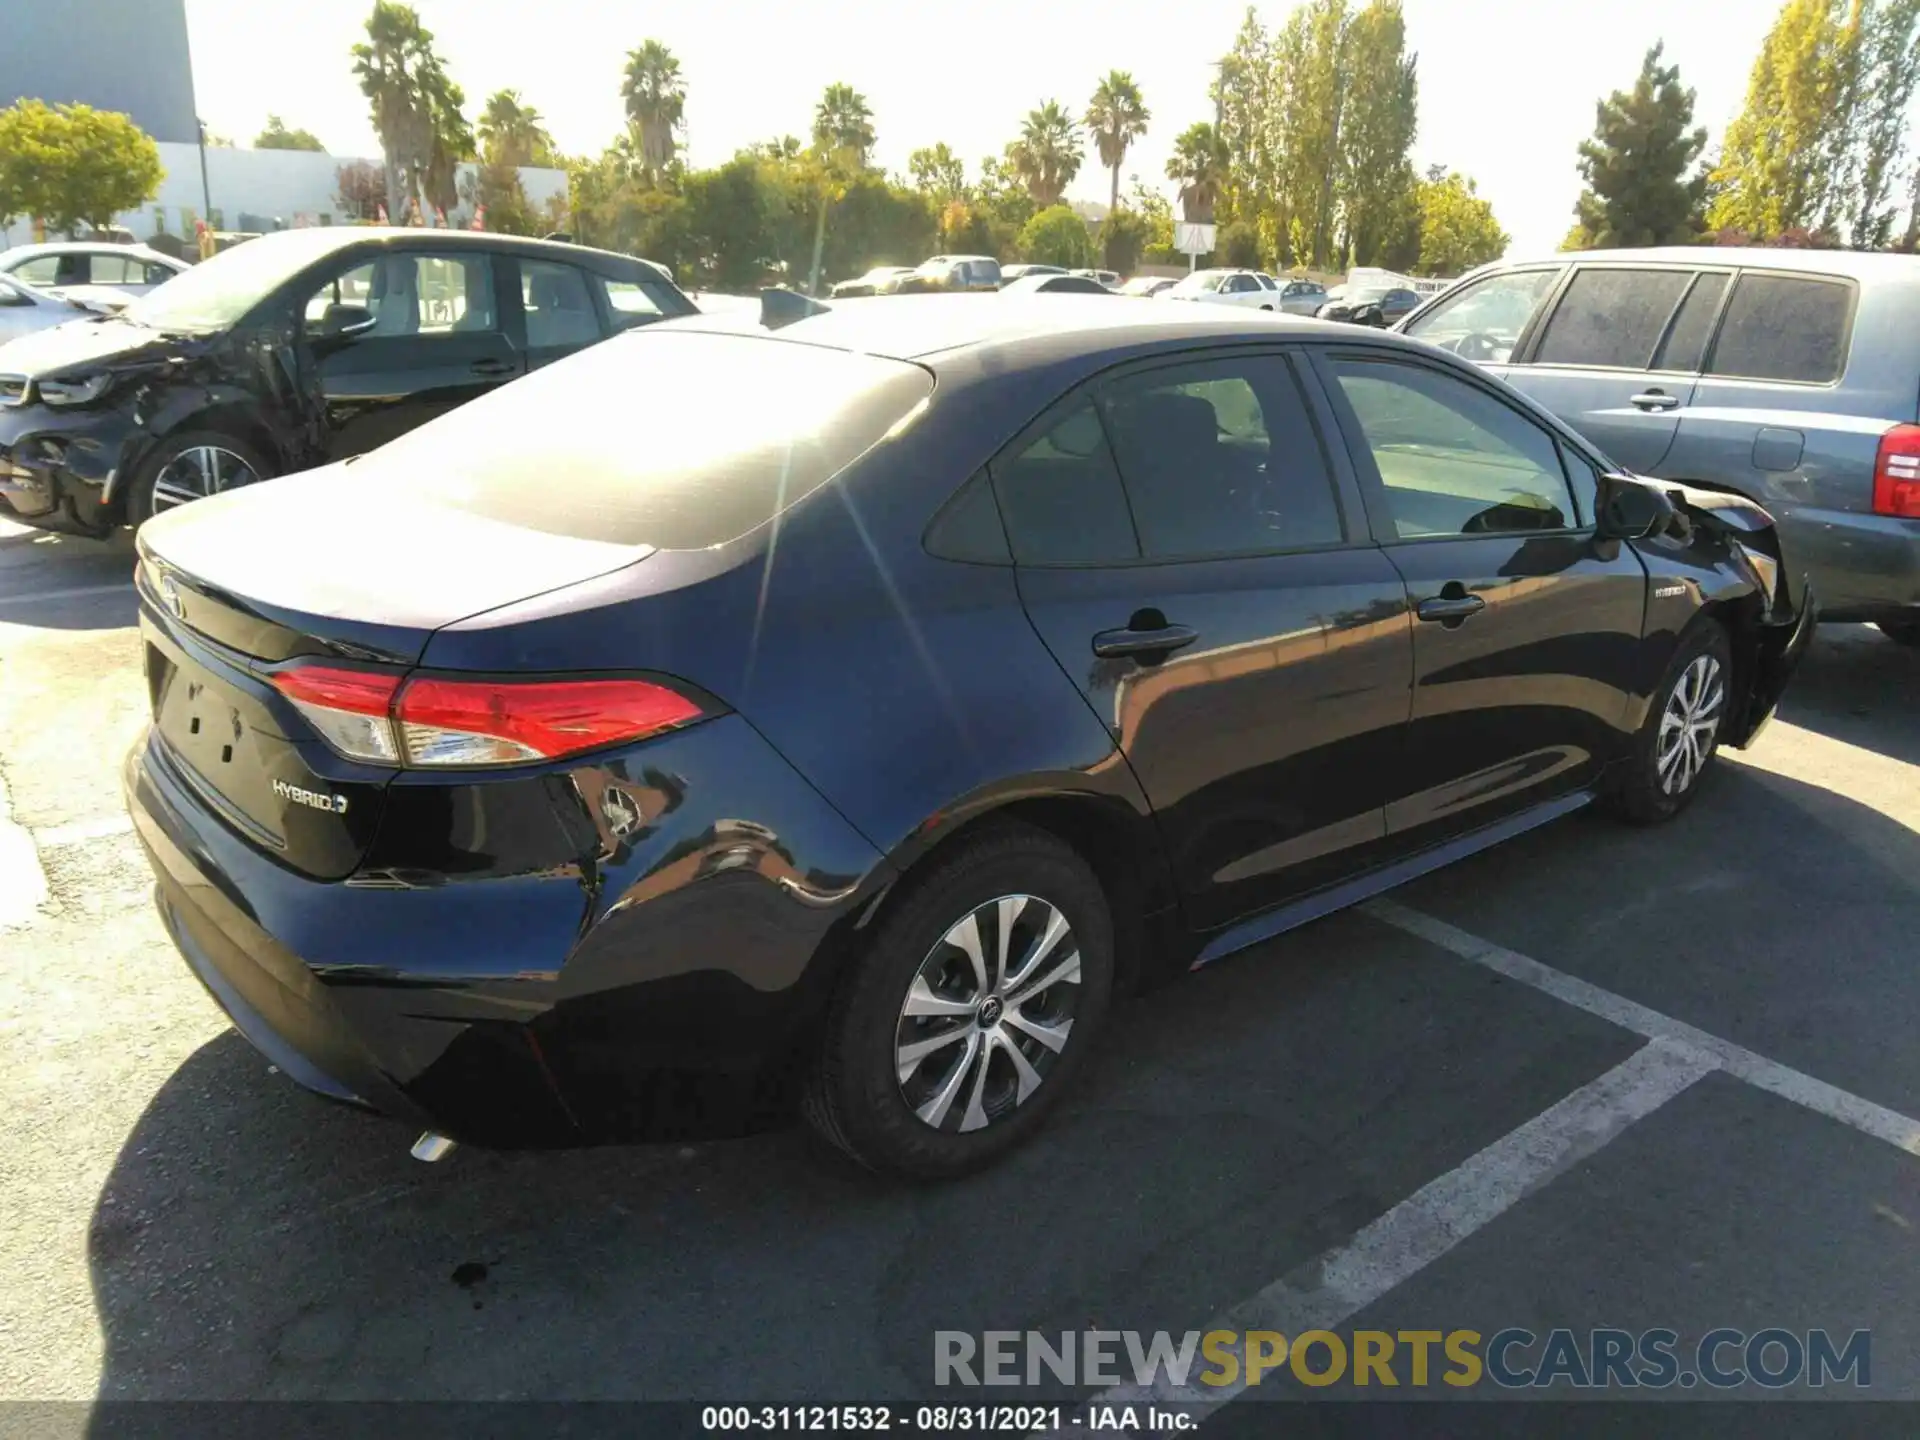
(1781, 649)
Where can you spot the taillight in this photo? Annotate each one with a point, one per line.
(434, 720)
(1896, 474)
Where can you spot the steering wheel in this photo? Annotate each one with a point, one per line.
(1480, 346)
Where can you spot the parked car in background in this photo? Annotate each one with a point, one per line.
(1369, 306)
(299, 347)
(504, 781)
(1107, 278)
(1149, 285)
(1302, 297)
(1055, 285)
(1010, 273)
(1223, 287)
(130, 269)
(881, 280)
(952, 272)
(1791, 377)
(24, 309)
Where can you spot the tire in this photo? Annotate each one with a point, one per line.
(951, 1113)
(1658, 780)
(1904, 632)
(155, 490)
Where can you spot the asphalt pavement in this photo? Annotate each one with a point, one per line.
(1600, 1077)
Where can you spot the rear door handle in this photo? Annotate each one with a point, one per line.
(1654, 400)
(494, 367)
(1450, 607)
(1164, 640)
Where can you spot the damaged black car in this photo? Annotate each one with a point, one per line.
(296, 349)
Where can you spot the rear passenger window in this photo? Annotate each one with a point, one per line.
(560, 313)
(1781, 327)
(1221, 458)
(1688, 337)
(1611, 318)
(1061, 498)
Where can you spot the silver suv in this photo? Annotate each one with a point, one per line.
(1788, 376)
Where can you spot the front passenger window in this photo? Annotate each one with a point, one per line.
(1454, 459)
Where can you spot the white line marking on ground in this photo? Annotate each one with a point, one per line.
(1896, 1129)
(1428, 1223)
(78, 832)
(77, 592)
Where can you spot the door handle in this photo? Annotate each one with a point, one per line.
(1162, 640)
(494, 367)
(1654, 400)
(1453, 608)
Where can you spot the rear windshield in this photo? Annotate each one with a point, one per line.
(670, 438)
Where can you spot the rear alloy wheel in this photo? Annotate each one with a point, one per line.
(193, 467)
(970, 1011)
(1681, 733)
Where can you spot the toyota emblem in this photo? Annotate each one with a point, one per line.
(170, 597)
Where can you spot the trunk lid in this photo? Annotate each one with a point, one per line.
(319, 565)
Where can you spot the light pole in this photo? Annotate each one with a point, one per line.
(206, 191)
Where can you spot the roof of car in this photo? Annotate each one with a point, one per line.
(15, 253)
(320, 240)
(918, 327)
(1860, 263)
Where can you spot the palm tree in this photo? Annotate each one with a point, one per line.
(843, 122)
(512, 132)
(1117, 116)
(1199, 163)
(1047, 155)
(393, 67)
(656, 101)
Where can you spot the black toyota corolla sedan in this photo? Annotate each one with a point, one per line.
(843, 715)
(294, 349)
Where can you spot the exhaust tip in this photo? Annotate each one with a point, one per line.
(432, 1146)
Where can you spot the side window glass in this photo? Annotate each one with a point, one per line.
(1454, 459)
(412, 295)
(1688, 337)
(1585, 480)
(1781, 327)
(560, 311)
(1484, 321)
(354, 288)
(1611, 318)
(1221, 458)
(630, 302)
(1061, 498)
(969, 527)
(41, 270)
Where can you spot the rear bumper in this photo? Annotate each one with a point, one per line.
(660, 984)
(1867, 567)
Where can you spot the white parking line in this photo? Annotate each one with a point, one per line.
(1896, 1129)
(76, 592)
(23, 884)
(1430, 1222)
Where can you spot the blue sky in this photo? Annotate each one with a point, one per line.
(1507, 90)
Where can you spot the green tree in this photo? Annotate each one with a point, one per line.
(1123, 238)
(1238, 244)
(1457, 227)
(1152, 207)
(938, 172)
(1057, 236)
(1779, 162)
(1046, 157)
(1199, 167)
(1116, 117)
(512, 132)
(655, 99)
(278, 137)
(450, 141)
(1244, 97)
(1376, 185)
(71, 164)
(1643, 185)
(405, 83)
(1884, 82)
(843, 122)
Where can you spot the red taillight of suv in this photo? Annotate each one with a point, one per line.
(1896, 474)
(435, 721)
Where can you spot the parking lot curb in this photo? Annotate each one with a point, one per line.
(23, 884)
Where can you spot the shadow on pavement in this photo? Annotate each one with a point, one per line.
(63, 582)
(1858, 686)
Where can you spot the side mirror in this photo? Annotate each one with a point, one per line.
(1630, 510)
(343, 321)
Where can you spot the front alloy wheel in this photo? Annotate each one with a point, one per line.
(1688, 725)
(198, 472)
(988, 1013)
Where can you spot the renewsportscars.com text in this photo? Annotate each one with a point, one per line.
(1721, 1359)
